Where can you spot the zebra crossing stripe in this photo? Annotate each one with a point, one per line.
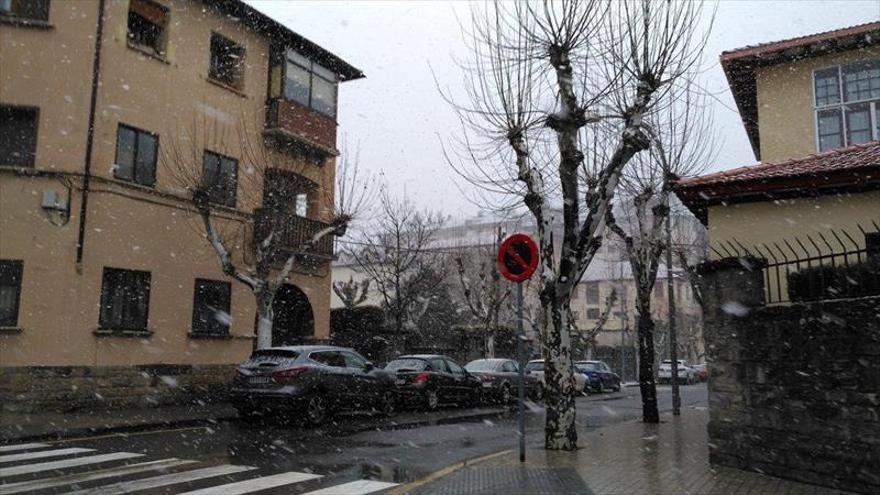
(360, 487)
(70, 479)
(256, 484)
(66, 463)
(164, 480)
(23, 446)
(42, 454)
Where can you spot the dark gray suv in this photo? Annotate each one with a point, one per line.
(312, 380)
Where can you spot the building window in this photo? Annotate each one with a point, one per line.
(592, 291)
(146, 25)
(847, 100)
(136, 152)
(10, 291)
(227, 62)
(125, 300)
(592, 313)
(310, 84)
(18, 135)
(32, 10)
(211, 307)
(302, 204)
(220, 178)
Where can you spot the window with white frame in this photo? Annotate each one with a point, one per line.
(847, 103)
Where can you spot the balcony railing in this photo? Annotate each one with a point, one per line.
(293, 233)
(301, 127)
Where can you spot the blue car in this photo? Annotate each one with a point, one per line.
(599, 374)
(594, 379)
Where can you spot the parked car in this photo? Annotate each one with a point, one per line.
(500, 379)
(702, 372)
(686, 374)
(536, 367)
(431, 380)
(600, 375)
(315, 380)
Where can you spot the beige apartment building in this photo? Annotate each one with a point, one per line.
(811, 109)
(107, 282)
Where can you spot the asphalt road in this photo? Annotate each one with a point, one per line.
(340, 454)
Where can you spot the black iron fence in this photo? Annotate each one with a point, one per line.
(813, 267)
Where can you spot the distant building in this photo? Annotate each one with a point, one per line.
(104, 266)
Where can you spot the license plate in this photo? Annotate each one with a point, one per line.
(400, 381)
(258, 380)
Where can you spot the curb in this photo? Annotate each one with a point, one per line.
(412, 485)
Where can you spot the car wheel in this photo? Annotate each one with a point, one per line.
(432, 400)
(316, 409)
(388, 403)
(505, 394)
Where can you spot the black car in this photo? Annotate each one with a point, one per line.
(314, 380)
(500, 377)
(608, 380)
(431, 380)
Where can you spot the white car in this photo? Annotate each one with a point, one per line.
(686, 374)
(536, 367)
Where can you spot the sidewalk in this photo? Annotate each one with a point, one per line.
(17, 427)
(627, 458)
(32, 426)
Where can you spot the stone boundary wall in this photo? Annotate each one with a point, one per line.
(72, 388)
(794, 390)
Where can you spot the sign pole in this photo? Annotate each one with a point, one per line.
(520, 355)
(517, 261)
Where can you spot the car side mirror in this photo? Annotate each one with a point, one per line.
(368, 366)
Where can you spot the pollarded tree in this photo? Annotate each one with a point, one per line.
(682, 143)
(484, 292)
(255, 181)
(540, 75)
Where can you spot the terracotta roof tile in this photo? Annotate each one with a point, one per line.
(809, 39)
(849, 158)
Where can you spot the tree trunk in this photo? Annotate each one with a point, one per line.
(265, 318)
(560, 430)
(647, 384)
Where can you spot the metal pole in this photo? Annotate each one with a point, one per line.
(520, 354)
(670, 293)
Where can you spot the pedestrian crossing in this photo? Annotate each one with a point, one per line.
(40, 467)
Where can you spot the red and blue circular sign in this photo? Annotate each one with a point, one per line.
(518, 258)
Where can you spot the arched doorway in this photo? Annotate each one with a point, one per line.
(294, 322)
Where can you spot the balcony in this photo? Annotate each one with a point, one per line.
(301, 128)
(293, 233)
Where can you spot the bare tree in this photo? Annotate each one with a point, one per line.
(682, 143)
(482, 289)
(540, 75)
(258, 186)
(395, 256)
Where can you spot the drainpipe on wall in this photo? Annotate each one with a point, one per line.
(90, 137)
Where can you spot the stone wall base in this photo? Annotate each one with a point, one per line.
(71, 388)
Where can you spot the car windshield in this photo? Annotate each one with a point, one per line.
(586, 366)
(535, 366)
(271, 357)
(406, 364)
(482, 365)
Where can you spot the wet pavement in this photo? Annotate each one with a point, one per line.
(335, 455)
(624, 458)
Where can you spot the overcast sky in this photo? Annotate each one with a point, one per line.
(398, 117)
